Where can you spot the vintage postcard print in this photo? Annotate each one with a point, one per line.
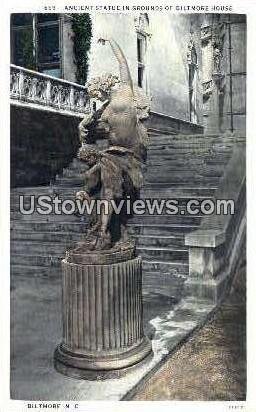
(128, 204)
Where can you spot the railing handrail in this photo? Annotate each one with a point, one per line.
(44, 92)
(46, 76)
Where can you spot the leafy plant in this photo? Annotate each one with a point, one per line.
(82, 29)
(27, 48)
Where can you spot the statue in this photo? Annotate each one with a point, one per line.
(116, 172)
(102, 276)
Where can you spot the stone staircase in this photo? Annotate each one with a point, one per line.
(179, 167)
(182, 168)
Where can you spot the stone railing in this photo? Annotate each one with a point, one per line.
(216, 247)
(45, 92)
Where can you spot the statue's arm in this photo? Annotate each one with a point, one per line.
(125, 75)
(92, 180)
(88, 120)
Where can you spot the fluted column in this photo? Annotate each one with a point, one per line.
(102, 316)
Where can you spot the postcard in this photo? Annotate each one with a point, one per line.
(125, 268)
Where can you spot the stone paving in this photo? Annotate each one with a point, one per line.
(211, 365)
(36, 329)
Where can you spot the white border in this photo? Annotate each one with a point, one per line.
(6, 405)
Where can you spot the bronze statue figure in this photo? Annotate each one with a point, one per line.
(116, 172)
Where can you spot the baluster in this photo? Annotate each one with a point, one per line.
(59, 97)
(33, 89)
(71, 98)
(48, 92)
(21, 83)
(81, 95)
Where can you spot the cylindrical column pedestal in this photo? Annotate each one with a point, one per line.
(102, 318)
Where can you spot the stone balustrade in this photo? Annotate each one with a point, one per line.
(39, 90)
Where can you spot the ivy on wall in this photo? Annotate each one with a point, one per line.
(82, 29)
(27, 47)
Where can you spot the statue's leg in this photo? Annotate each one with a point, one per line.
(124, 232)
(104, 240)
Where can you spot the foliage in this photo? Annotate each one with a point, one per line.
(27, 48)
(82, 29)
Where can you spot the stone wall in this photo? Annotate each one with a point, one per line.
(223, 41)
(42, 143)
(166, 66)
(68, 58)
(234, 104)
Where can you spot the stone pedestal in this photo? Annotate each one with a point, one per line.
(102, 314)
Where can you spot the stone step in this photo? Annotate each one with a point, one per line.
(174, 192)
(195, 138)
(169, 213)
(173, 154)
(142, 228)
(39, 248)
(76, 164)
(152, 131)
(161, 283)
(184, 165)
(186, 151)
(74, 173)
(186, 169)
(166, 219)
(154, 266)
(37, 217)
(63, 237)
(188, 154)
(171, 167)
(182, 186)
(189, 178)
(52, 261)
(43, 226)
(36, 260)
(70, 181)
(183, 162)
(35, 271)
(189, 149)
(175, 241)
(42, 190)
(163, 254)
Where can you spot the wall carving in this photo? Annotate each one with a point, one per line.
(141, 24)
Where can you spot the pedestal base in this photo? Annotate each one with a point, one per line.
(108, 367)
(102, 315)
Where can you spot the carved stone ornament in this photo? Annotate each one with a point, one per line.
(207, 88)
(141, 23)
(206, 33)
(191, 52)
(217, 44)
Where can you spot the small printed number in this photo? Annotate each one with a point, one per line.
(49, 8)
